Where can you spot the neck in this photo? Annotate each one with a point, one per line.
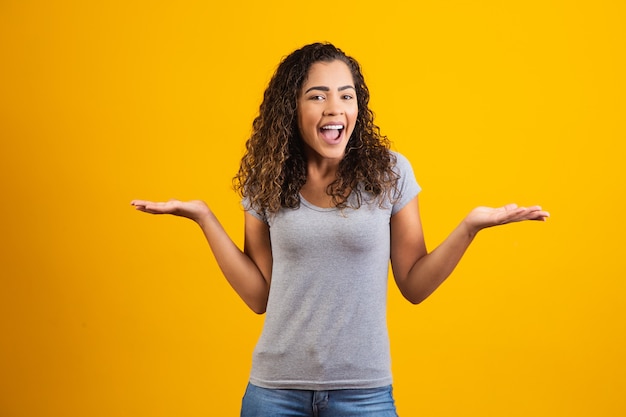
(320, 167)
(324, 170)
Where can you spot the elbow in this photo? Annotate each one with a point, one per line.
(415, 297)
(415, 292)
(415, 300)
(257, 301)
(258, 310)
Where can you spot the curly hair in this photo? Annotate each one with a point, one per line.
(273, 168)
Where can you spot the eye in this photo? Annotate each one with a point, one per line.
(347, 96)
(316, 97)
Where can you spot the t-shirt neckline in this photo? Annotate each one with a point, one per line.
(312, 206)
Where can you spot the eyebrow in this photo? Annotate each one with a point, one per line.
(324, 88)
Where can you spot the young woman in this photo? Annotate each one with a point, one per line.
(327, 205)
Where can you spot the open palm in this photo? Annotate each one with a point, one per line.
(483, 217)
(193, 209)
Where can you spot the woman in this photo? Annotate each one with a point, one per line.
(327, 206)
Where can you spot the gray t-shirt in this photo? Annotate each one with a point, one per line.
(326, 325)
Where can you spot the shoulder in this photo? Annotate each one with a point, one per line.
(401, 163)
(259, 214)
(407, 187)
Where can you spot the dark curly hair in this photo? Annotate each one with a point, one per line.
(273, 168)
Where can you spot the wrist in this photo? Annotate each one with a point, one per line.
(470, 229)
(202, 214)
(204, 218)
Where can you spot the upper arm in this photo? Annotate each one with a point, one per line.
(407, 241)
(257, 245)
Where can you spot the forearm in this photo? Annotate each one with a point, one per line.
(238, 268)
(432, 269)
(419, 273)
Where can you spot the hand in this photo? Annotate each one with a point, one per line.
(194, 209)
(483, 217)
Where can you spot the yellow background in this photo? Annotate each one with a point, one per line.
(105, 311)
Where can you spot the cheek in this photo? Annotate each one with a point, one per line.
(301, 120)
(353, 115)
(307, 122)
(302, 115)
(352, 120)
(304, 124)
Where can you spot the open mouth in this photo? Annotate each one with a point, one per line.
(332, 132)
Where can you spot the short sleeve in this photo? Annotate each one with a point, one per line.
(245, 203)
(408, 187)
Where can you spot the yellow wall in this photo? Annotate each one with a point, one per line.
(105, 311)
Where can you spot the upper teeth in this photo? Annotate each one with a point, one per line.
(333, 127)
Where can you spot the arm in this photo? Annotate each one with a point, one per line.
(247, 271)
(419, 273)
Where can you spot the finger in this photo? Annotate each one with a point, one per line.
(149, 206)
(159, 206)
(513, 213)
(144, 204)
(139, 202)
(155, 208)
(533, 214)
(516, 214)
(541, 215)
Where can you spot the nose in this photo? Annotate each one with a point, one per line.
(333, 107)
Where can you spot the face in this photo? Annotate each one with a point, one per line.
(327, 110)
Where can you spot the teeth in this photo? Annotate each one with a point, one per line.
(335, 127)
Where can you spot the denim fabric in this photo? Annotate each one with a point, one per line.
(370, 402)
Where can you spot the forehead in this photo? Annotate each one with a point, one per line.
(329, 73)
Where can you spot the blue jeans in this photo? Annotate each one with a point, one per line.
(371, 402)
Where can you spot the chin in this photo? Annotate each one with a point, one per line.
(335, 154)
